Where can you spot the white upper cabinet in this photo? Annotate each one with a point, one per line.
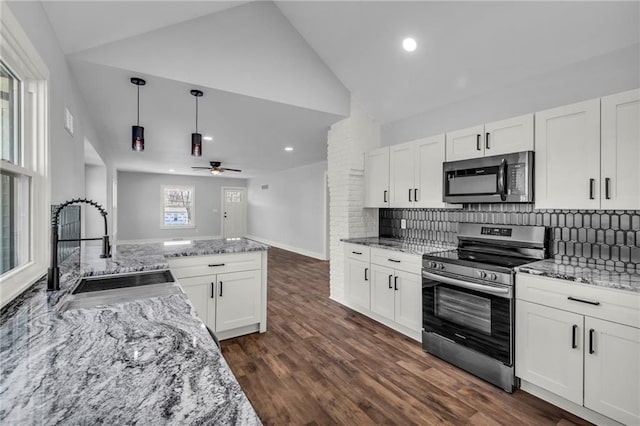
(500, 137)
(567, 159)
(415, 173)
(376, 175)
(587, 154)
(620, 151)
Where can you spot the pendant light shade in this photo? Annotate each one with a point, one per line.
(196, 138)
(137, 131)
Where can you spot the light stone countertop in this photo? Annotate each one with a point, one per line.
(400, 245)
(148, 361)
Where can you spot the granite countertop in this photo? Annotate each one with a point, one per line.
(400, 245)
(583, 274)
(147, 361)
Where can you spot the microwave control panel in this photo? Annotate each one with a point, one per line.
(517, 179)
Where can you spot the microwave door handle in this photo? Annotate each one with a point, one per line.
(502, 177)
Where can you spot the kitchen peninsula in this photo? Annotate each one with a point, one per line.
(148, 360)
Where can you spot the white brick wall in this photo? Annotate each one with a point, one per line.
(346, 143)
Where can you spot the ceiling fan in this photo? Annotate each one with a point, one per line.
(214, 168)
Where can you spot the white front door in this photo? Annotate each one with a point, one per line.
(234, 212)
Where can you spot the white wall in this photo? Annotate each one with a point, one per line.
(347, 142)
(611, 73)
(66, 150)
(139, 202)
(290, 213)
(95, 178)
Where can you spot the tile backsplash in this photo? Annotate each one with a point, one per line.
(601, 238)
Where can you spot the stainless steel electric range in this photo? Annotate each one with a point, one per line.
(468, 298)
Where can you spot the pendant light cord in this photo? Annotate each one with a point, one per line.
(138, 105)
(196, 114)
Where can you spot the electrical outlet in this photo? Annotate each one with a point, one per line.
(403, 223)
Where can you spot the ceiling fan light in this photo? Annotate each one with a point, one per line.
(196, 144)
(215, 171)
(137, 138)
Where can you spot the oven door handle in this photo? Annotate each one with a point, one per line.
(498, 291)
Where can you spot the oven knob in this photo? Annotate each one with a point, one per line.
(493, 276)
(440, 266)
(433, 265)
(482, 274)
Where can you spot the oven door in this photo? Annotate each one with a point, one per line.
(470, 313)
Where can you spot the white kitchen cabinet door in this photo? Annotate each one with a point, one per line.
(547, 353)
(376, 176)
(401, 175)
(382, 297)
(620, 151)
(612, 370)
(408, 300)
(511, 135)
(465, 143)
(238, 300)
(201, 294)
(429, 156)
(357, 281)
(567, 159)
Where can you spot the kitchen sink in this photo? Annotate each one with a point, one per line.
(106, 290)
(111, 282)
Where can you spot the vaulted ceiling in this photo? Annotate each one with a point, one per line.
(279, 74)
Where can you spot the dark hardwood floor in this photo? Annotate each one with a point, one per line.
(322, 363)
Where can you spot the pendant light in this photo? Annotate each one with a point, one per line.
(196, 138)
(137, 131)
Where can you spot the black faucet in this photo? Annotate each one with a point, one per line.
(53, 274)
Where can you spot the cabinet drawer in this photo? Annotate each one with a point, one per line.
(397, 260)
(194, 266)
(608, 304)
(357, 252)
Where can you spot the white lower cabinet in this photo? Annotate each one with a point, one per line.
(391, 295)
(230, 303)
(582, 344)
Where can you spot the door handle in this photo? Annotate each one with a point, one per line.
(395, 283)
(213, 289)
(366, 278)
(390, 276)
(478, 146)
(574, 344)
(220, 288)
(607, 188)
(591, 184)
(502, 178)
(592, 349)
(486, 140)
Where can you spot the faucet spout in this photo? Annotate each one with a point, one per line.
(53, 273)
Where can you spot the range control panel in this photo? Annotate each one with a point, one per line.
(496, 231)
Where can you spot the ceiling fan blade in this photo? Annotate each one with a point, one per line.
(205, 168)
(230, 170)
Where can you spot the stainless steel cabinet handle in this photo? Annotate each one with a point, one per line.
(592, 349)
(574, 344)
(393, 260)
(410, 195)
(591, 185)
(478, 146)
(213, 290)
(366, 277)
(390, 276)
(213, 265)
(486, 140)
(385, 195)
(415, 194)
(395, 283)
(607, 188)
(357, 252)
(220, 288)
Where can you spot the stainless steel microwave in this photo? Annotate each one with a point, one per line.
(504, 178)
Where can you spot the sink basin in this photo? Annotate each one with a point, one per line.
(107, 290)
(111, 282)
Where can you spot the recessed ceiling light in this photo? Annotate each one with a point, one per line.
(207, 138)
(171, 170)
(409, 44)
(288, 148)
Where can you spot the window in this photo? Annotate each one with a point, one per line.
(177, 207)
(24, 179)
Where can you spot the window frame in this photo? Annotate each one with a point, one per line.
(190, 188)
(19, 54)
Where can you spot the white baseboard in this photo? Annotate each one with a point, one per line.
(309, 253)
(161, 240)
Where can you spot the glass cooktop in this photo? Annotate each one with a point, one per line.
(490, 261)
